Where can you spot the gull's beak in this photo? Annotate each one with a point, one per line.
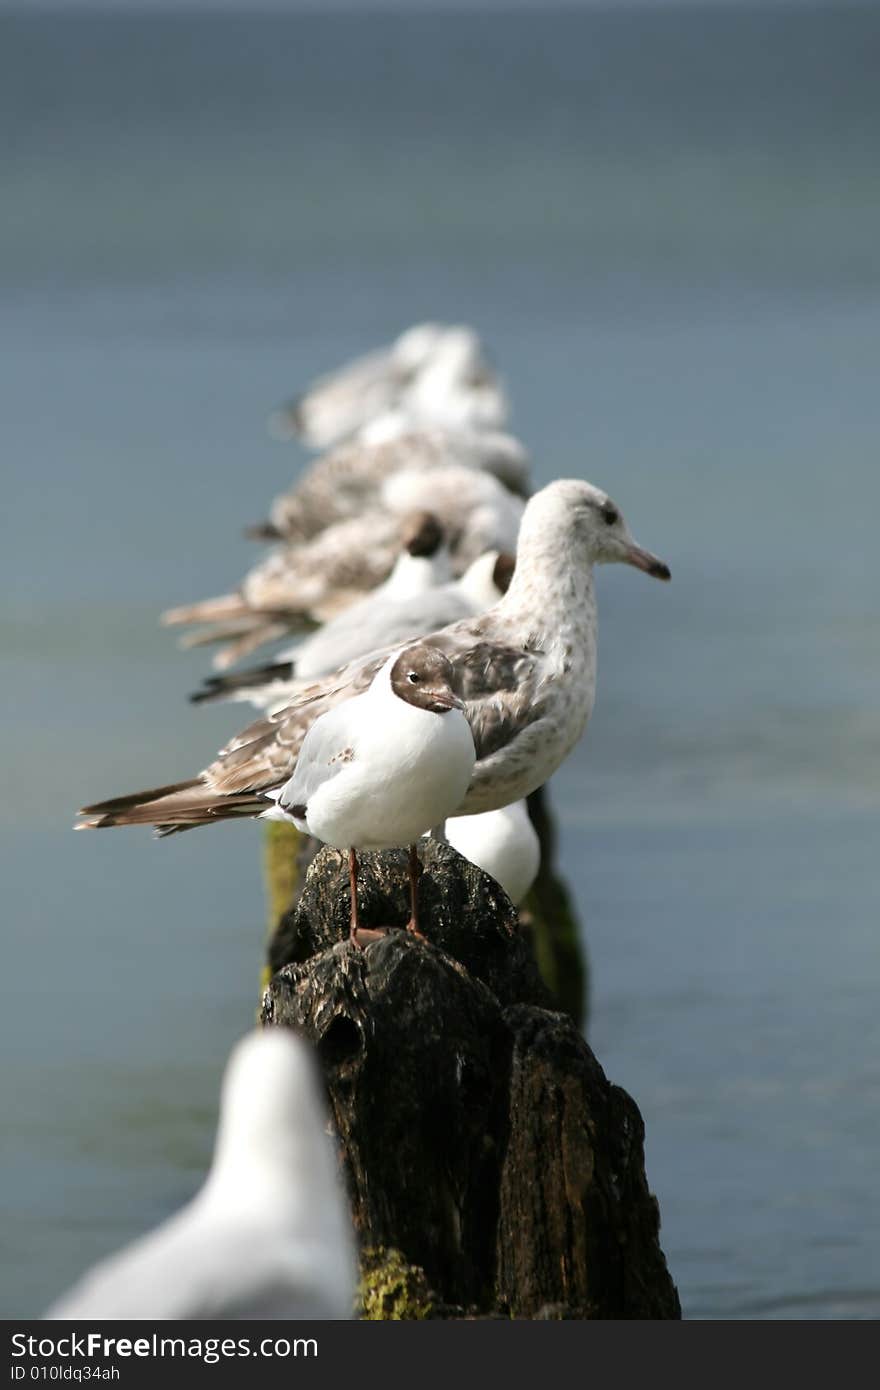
(644, 560)
(442, 700)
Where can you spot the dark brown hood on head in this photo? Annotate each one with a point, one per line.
(422, 534)
(423, 676)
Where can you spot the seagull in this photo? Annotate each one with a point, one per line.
(400, 610)
(384, 767)
(268, 1235)
(502, 843)
(433, 374)
(315, 580)
(423, 562)
(526, 671)
(342, 483)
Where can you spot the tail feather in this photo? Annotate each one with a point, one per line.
(222, 632)
(121, 803)
(179, 806)
(208, 610)
(234, 811)
(220, 687)
(247, 643)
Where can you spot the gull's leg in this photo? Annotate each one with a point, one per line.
(415, 873)
(359, 936)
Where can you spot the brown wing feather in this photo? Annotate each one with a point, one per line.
(186, 804)
(499, 684)
(264, 754)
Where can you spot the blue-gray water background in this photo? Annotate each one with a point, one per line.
(667, 226)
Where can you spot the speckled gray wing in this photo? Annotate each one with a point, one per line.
(500, 685)
(265, 754)
(296, 585)
(259, 759)
(328, 747)
(345, 481)
(349, 558)
(339, 403)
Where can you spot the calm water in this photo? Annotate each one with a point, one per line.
(668, 229)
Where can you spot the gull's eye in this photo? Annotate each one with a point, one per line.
(414, 677)
(610, 514)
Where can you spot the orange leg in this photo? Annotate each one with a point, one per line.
(359, 936)
(415, 873)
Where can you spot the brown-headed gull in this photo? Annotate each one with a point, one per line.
(347, 481)
(384, 767)
(398, 611)
(503, 843)
(422, 562)
(432, 374)
(269, 1234)
(320, 577)
(526, 670)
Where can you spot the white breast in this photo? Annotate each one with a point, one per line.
(409, 768)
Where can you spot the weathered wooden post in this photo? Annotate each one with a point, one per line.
(493, 1170)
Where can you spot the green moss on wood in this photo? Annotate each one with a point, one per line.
(391, 1290)
(281, 867)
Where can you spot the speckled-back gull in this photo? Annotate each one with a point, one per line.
(526, 670)
(269, 1235)
(432, 374)
(348, 480)
(321, 577)
(416, 539)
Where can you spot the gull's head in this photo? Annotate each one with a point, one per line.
(456, 387)
(574, 515)
(415, 347)
(424, 677)
(272, 1113)
(422, 533)
(276, 1169)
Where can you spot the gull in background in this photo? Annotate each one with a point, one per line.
(349, 479)
(503, 843)
(313, 581)
(432, 374)
(392, 614)
(525, 669)
(269, 1234)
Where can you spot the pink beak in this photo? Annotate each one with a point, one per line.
(644, 560)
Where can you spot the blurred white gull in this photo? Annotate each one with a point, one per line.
(321, 577)
(269, 1234)
(432, 374)
(503, 843)
(397, 611)
(348, 480)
